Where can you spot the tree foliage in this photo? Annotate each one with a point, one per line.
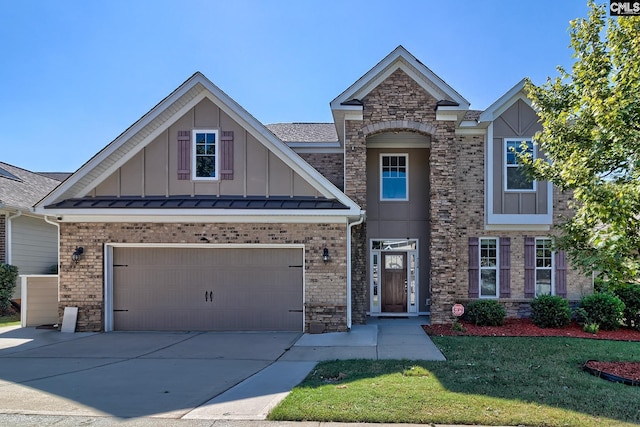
(590, 118)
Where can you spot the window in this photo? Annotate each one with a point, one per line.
(489, 268)
(544, 266)
(394, 181)
(205, 155)
(515, 179)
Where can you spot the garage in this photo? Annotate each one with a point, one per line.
(210, 289)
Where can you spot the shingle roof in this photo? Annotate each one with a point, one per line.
(199, 202)
(472, 115)
(58, 176)
(304, 132)
(20, 188)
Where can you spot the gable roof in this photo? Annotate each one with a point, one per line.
(504, 102)
(158, 119)
(400, 58)
(305, 132)
(21, 189)
(349, 100)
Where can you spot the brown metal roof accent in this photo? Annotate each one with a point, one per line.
(199, 202)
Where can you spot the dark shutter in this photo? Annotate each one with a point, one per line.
(474, 267)
(184, 154)
(529, 267)
(561, 274)
(505, 267)
(226, 155)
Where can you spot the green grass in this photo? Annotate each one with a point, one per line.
(486, 380)
(10, 320)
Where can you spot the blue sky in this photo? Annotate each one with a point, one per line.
(76, 74)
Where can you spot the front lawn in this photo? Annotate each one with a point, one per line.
(11, 320)
(486, 380)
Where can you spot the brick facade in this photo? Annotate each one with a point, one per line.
(330, 165)
(470, 201)
(3, 239)
(82, 284)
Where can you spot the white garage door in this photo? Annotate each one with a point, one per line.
(230, 289)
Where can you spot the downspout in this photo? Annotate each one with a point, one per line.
(349, 227)
(8, 248)
(57, 225)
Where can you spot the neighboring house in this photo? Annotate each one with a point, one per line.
(27, 240)
(200, 217)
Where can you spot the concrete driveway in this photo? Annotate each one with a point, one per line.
(141, 374)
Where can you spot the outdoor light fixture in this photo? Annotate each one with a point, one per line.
(77, 254)
(325, 255)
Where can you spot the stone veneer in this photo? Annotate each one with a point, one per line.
(399, 103)
(330, 165)
(82, 284)
(3, 239)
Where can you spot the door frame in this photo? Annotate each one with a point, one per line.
(382, 245)
(108, 267)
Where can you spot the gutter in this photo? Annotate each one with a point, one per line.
(57, 225)
(349, 228)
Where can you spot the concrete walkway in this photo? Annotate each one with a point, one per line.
(157, 378)
(381, 338)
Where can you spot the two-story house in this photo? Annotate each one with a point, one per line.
(200, 217)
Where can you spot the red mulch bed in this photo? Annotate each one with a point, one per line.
(525, 328)
(629, 371)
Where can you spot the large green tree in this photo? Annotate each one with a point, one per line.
(591, 138)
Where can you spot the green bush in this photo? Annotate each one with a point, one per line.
(603, 308)
(8, 276)
(550, 311)
(486, 313)
(630, 296)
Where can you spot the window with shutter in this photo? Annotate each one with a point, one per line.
(226, 155)
(505, 267)
(184, 154)
(474, 270)
(529, 267)
(561, 273)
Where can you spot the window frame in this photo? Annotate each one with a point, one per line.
(552, 268)
(194, 155)
(381, 177)
(496, 267)
(506, 165)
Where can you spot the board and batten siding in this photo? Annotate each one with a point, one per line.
(154, 171)
(518, 121)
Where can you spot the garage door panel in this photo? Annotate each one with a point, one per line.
(171, 289)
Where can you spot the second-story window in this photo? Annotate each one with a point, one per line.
(394, 177)
(205, 155)
(515, 179)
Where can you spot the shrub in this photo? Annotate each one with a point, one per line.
(630, 296)
(8, 276)
(550, 311)
(486, 313)
(603, 308)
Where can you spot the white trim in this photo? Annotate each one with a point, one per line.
(519, 221)
(406, 160)
(505, 101)
(496, 268)
(506, 165)
(216, 155)
(177, 216)
(553, 266)
(108, 267)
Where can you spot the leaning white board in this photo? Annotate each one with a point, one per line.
(69, 319)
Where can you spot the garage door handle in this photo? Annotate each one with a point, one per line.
(208, 296)
(120, 310)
